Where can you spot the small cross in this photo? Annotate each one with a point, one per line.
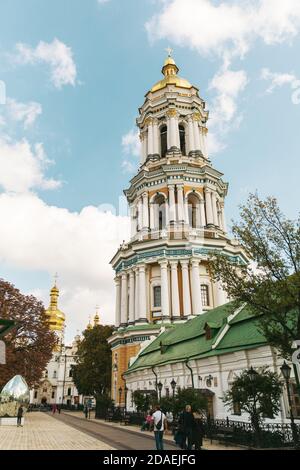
(55, 278)
(97, 308)
(169, 51)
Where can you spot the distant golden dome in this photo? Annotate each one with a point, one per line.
(170, 71)
(55, 317)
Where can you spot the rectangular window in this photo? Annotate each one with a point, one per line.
(53, 394)
(295, 399)
(204, 295)
(157, 296)
(69, 391)
(35, 394)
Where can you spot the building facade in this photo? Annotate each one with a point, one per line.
(177, 216)
(57, 386)
(206, 354)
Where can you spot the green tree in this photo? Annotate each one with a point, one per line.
(270, 282)
(189, 396)
(92, 371)
(258, 394)
(29, 346)
(143, 402)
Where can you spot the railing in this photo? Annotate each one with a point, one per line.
(273, 435)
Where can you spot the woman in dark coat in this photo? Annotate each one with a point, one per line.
(198, 431)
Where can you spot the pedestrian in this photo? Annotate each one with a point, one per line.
(59, 409)
(54, 409)
(170, 419)
(148, 421)
(186, 422)
(198, 431)
(159, 421)
(20, 416)
(86, 412)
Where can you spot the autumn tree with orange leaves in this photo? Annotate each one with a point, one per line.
(30, 344)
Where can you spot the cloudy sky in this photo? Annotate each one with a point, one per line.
(75, 73)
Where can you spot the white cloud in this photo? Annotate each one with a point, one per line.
(23, 166)
(131, 146)
(77, 245)
(56, 54)
(26, 113)
(279, 79)
(225, 29)
(101, 2)
(227, 85)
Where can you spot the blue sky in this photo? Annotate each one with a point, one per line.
(76, 72)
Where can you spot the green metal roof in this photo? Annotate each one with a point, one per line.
(188, 340)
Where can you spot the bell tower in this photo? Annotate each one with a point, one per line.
(176, 202)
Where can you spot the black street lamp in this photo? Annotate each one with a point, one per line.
(252, 373)
(173, 385)
(120, 396)
(159, 386)
(286, 372)
(126, 391)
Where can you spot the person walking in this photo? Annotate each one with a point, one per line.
(159, 421)
(197, 431)
(20, 416)
(187, 423)
(86, 412)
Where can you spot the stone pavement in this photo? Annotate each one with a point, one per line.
(42, 432)
(207, 444)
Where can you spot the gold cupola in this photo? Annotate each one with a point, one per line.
(89, 325)
(55, 317)
(96, 319)
(170, 71)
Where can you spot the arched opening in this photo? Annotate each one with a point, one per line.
(194, 210)
(44, 401)
(160, 212)
(163, 141)
(182, 139)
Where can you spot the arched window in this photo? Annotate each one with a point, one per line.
(156, 296)
(205, 295)
(163, 141)
(160, 212)
(182, 139)
(194, 211)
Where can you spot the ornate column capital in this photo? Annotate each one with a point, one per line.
(174, 264)
(171, 113)
(196, 117)
(184, 263)
(163, 263)
(148, 120)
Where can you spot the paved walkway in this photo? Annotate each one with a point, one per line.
(42, 432)
(120, 437)
(131, 430)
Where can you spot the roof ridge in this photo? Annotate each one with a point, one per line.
(227, 325)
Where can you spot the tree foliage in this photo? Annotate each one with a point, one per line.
(29, 346)
(184, 396)
(257, 393)
(92, 371)
(270, 283)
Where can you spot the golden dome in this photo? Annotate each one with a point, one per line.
(96, 320)
(170, 71)
(55, 317)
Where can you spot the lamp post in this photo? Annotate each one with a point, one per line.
(160, 386)
(120, 396)
(126, 391)
(173, 385)
(286, 372)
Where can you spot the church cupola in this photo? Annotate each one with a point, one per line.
(172, 120)
(55, 317)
